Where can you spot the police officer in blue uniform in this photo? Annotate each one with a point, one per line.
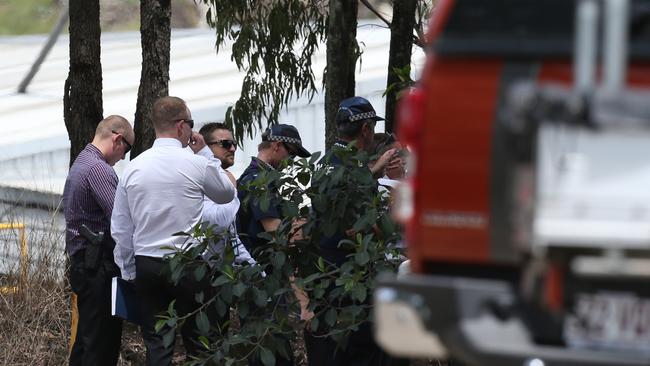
(356, 119)
(279, 142)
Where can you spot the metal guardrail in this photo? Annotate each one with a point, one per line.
(24, 257)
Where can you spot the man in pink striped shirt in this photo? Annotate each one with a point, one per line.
(88, 198)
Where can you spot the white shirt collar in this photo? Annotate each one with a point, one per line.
(167, 141)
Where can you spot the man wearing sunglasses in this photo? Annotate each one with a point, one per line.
(160, 194)
(88, 200)
(222, 146)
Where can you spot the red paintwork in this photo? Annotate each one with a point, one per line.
(453, 161)
(452, 142)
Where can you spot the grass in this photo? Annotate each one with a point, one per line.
(28, 16)
(18, 17)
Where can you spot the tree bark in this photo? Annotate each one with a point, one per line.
(82, 95)
(155, 33)
(342, 54)
(401, 42)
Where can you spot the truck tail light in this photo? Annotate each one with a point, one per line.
(554, 288)
(410, 118)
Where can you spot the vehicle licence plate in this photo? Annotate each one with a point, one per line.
(613, 320)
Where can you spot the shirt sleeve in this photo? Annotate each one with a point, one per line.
(241, 253)
(102, 181)
(272, 212)
(222, 215)
(122, 229)
(216, 185)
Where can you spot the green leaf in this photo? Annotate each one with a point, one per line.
(169, 337)
(239, 289)
(243, 310)
(204, 341)
(199, 297)
(362, 258)
(314, 324)
(199, 273)
(220, 281)
(160, 324)
(221, 307)
(170, 308)
(228, 272)
(202, 323)
(267, 357)
(321, 264)
(226, 293)
(259, 297)
(278, 259)
(330, 317)
(319, 293)
(359, 292)
(303, 178)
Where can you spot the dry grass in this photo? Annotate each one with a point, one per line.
(34, 323)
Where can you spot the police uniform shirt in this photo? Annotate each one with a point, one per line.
(329, 246)
(250, 215)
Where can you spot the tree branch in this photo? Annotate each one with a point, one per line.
(374, 11)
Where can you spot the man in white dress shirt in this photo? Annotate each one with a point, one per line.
(161, 193)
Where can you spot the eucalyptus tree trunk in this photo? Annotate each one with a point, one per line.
(82, 95)
(155, 33)
(401, 42)
(342, 54)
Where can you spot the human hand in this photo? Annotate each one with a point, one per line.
(395, 168)
(382, 162)
(306, 315)
(196, 142)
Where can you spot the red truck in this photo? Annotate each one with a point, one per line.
(527, 210)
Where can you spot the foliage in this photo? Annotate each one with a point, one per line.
(404, 80)
(342, 197)
(273, 42)
(27, 16)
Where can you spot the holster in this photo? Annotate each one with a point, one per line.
(99, 250)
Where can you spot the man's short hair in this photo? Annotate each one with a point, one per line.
(167, 111)
(208, 128)
(115, 123)
(353, 130)
(352, 114)
(265, 144)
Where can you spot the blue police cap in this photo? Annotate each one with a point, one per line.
(356, 109)
(289, 135)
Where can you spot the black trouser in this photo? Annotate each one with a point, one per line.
(99, 334)
(155, 292)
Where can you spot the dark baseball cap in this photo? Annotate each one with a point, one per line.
(355, 109)
(289, 135)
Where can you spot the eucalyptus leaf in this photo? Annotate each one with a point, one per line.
(267, 357)
(202, 323)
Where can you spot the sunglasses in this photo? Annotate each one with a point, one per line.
(226, 144)
(128, 146)
(190, 122)
(290, 149)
